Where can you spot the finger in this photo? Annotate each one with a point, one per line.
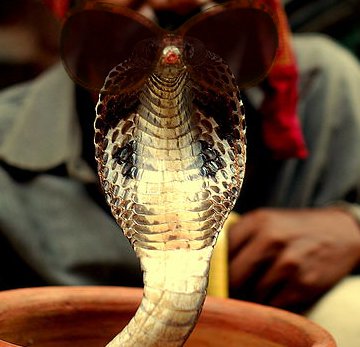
(284, 285)
(294, 297)
(250, 263)
(287, 297)
(275, 279)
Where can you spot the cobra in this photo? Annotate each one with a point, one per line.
(169, 142)
(171, 159)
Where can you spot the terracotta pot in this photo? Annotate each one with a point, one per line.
(90, 316)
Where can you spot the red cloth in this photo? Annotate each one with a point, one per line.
(281, 127)
(59, 8)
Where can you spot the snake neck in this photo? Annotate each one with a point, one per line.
(164, 124)
(174, 292)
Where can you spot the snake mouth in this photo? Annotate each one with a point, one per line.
(171, 55)
(171, 64)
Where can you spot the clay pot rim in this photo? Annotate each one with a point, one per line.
(31, 299)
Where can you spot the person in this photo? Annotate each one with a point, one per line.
(299, 232)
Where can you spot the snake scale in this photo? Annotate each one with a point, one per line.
(170, 147)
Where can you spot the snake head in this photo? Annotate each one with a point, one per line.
(177, 53)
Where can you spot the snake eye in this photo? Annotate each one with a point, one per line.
(188, 50)
(193, 51)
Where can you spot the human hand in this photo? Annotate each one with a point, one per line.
(289, 258)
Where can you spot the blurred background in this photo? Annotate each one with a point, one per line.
(28, 40)
(29, 32)
(339, 19)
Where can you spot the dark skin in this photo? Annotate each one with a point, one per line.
(297, 254)
(178, 6)
(282, 257)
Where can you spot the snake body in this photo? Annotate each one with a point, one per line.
(169, 140)
(170, 147)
